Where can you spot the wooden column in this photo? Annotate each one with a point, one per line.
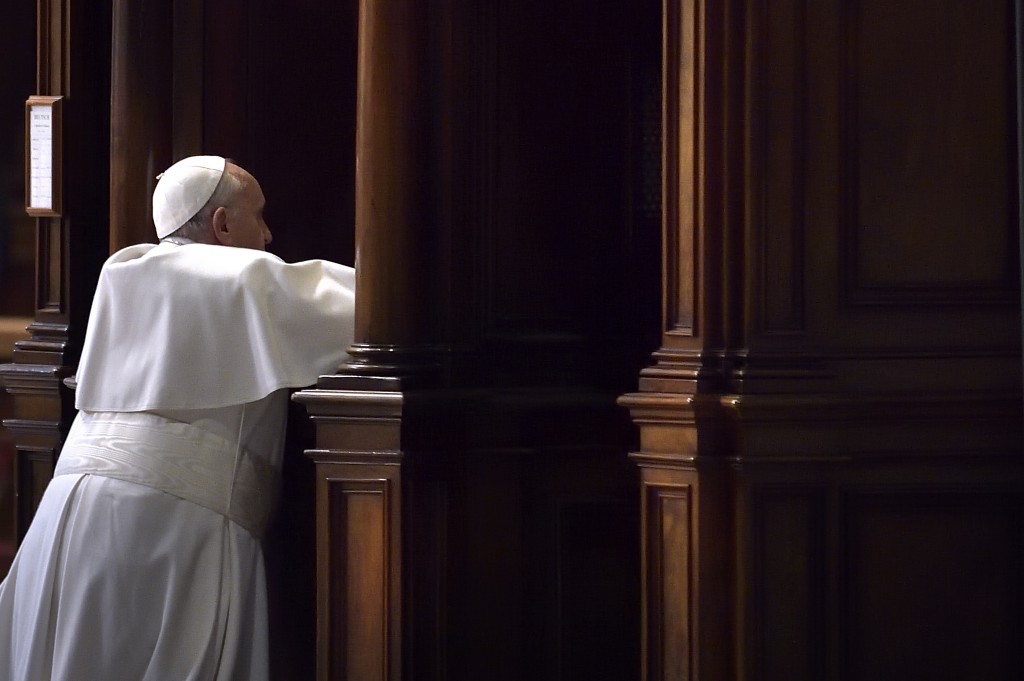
(73, 62)
(396, 231)
(686, 528)
(367, 573)
(140, 114)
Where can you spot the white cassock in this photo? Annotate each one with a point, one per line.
(143, 562)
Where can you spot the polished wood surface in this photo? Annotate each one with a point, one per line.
(840, 367)
(399, 278)
(69, 248)
(140, 127)
(359, 530)
(475, 427)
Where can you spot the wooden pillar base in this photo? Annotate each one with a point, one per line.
(380, 537)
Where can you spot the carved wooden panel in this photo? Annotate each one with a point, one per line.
(303, 55)
(928, 103)
(932, 583)
(669, 550)
(562, 103)
(226, 86)
(881, 149)
(359, 542)
(544, 580)
(358, 539)
(881, 190)
(50, 298)
(545, 236)
(518, 539)
(242, 74)
(789, 583)
(779, 140)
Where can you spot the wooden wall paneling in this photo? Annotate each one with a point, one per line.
(778, 298)
(1018, 42)
(845, 563)
(361, 524)
(517, 559)
(543, 323)
(430, 510)
(383, 519)
(544, 150)
(474, 81)
(932, 580)
(226, 85)
(579, 561)
(359, 534)
(18, 35)
(669, 548)
(273, 89)
(789, 616)
(301, 71)
(289, 551)
(832, 49)
(937, 158)
(542, 575)
(187, 79)
(140, 127)
(688, 591)
(73, 61)
(549, 222)
(926, 270)
(491, 621)
(915, 253)
(598, 575)
(858, 364)
(689, 611)
(778, 61)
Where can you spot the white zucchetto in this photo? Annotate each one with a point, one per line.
(183, 189)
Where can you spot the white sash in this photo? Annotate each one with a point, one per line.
(173, 457)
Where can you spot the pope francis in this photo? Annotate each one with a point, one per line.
(143, 562)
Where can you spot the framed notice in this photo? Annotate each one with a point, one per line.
(43, 156)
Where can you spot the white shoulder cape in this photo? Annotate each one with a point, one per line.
(200, 327)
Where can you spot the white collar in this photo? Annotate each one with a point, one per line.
(177, 240)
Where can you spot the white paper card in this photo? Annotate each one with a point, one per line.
(41, 156)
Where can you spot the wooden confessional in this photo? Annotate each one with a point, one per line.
(688, 340)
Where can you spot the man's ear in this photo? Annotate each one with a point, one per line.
(219, 226)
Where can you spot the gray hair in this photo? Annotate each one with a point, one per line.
(197, 228)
